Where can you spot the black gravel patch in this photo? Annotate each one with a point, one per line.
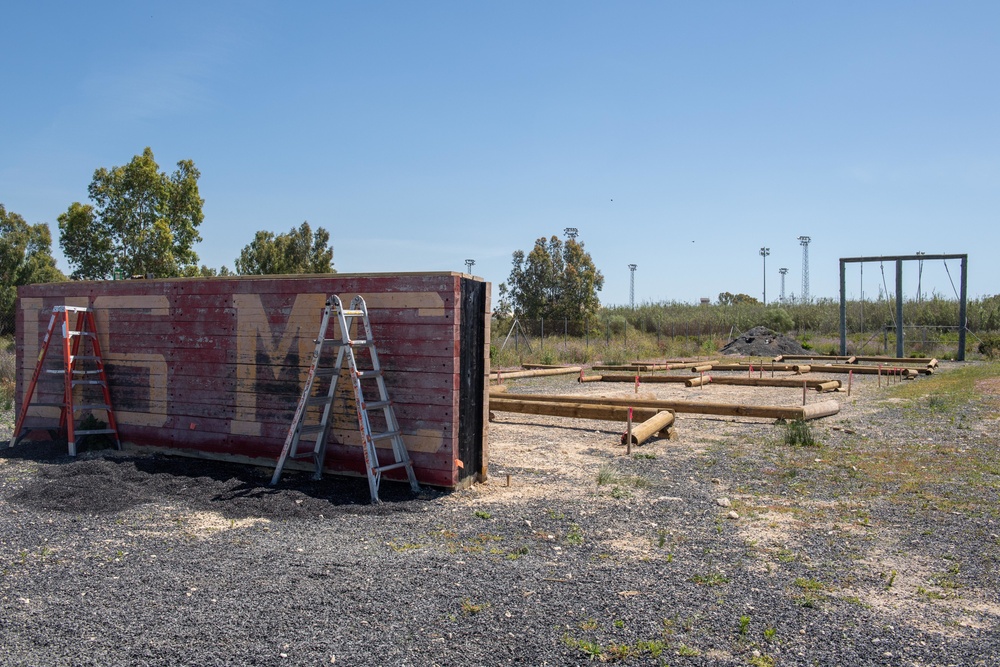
(110, 560)
(763, 342)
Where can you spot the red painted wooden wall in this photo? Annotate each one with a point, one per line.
(214, 367)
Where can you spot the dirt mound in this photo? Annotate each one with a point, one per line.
(763, 342)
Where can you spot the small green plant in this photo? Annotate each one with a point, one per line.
(687, 651)
(797, 432)
(606, 476)
(517, 553)
(589, 624)
(714, 579)
(769, 633)
(890, 579)
(650, 457)
(469, 608)
(618, 623)
(744, 624)
(619, 493)
(483, 514)
(661, 538)
(575, 535)
(762, 660)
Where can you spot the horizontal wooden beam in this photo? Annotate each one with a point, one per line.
(811, 411)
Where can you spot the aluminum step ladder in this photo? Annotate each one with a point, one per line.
(362, 381)
(77, 370)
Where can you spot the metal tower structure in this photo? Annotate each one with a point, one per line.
(804, 242)
(764, 252)
(783, 271)
(469, 263)
(571, 232)
(631, 285)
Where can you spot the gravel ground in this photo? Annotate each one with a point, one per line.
(878, 546)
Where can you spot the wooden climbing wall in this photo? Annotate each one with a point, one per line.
(213, 367)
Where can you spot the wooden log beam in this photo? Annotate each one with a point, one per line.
(699, 381)
(791, 383)
(768, 367)
(658, 423)
(644, 379)
(616, 413)
(693, 407)
(539, 372)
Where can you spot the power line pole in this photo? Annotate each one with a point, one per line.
(631, 285)
(783, 271)
(920, 275)
(764, 252)
(804, 242)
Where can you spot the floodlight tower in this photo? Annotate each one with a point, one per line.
(631, 285)
(804, 242)
(764, 252)
(469, 263)
(783, 271)
(571, 232)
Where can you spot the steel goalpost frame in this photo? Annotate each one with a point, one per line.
(899, 259)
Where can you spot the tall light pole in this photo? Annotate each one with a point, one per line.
(631, 285)
(764, 252)
(804, 242)
(571, 232)
(920, 275)
(783, 271)
(469, 263)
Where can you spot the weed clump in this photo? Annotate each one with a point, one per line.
(798, 433)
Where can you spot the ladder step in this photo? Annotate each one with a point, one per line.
(93, 372)
(97, 431)
(391, 466)
(353, 313)
(376, 405)
(84, 357)
(371, 373)
(386, 435)
(360, 342)
(325, 372)
(82, 333)
(313, 429)
(317, 401)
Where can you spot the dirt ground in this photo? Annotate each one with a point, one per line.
(725, 546)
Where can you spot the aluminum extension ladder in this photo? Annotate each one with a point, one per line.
(346, 347)
(78, 370)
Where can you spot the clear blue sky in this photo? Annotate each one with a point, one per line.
(681, 137)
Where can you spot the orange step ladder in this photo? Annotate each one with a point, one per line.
(77, 370)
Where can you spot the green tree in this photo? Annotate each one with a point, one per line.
(301, 250)
(553, 280)
(25, 258)
(143, 221)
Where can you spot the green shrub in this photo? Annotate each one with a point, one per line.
(989, 346)
(798, 433)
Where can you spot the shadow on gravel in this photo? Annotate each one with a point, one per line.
(98, 484)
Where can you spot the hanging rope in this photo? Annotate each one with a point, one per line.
(886, 288)
(957, 297)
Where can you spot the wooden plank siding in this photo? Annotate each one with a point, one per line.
(214, 367)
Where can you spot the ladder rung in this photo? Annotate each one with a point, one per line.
(325, 372)
(56, 371)
(386, 435)
(372, 373)
(93, 372)
(312, 429)
(317, 401)
(391, 466)
(353, 313)
(81, 333)
(98, 431)
(377, 405)
(85, 357)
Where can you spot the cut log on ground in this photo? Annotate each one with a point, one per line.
(792, 383)
(811, 411)
(659, 423)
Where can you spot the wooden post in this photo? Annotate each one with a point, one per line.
(628, 439)
(850, 381)
(637, 383)
(805, 385)
(879, 376)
